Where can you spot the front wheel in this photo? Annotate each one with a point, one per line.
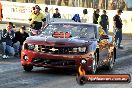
(28, 68)
(94, 64)
(111, 62)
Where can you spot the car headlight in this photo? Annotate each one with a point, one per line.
(30, 46)
(79, 49)
(82, 49)
(75, 50)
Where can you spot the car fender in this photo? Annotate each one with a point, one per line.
(92, 47)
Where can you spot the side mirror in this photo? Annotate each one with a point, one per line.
(104, 37)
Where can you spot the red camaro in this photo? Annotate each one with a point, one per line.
(67, 45)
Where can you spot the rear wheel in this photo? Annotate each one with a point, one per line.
(81, 80)
(28, 68)
(114, 54)
(111, 62)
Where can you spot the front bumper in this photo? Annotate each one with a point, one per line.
(54, 60)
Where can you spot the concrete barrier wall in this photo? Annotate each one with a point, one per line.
(20, 12)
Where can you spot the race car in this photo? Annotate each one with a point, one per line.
(68, 45)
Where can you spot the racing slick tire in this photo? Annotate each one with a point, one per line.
(114, 54)
(28, 68)
(81, 80)
(111, 62)
(94, 64)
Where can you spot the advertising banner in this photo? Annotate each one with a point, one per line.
(16, 12)
(20, 12)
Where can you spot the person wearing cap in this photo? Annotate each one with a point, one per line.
(117, 26)
(56, 14)
(7, 36)
(47, 15)
(103, 21)
(20, 37)
(36, 18)
(96, 16)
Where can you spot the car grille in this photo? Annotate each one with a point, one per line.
(55, 50)
(54, 62)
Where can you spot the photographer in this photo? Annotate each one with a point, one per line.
(7, 39)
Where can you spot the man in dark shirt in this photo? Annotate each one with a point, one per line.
(118, 28)
(20, 37)
(57, 14)
(7, 36)
(96, 16)
(103, 21)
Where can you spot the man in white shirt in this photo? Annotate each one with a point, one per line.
(84, 17)
(47, 14)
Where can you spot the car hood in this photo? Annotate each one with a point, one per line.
(49, 40)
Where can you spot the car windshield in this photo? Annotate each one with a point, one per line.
(81, 31)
